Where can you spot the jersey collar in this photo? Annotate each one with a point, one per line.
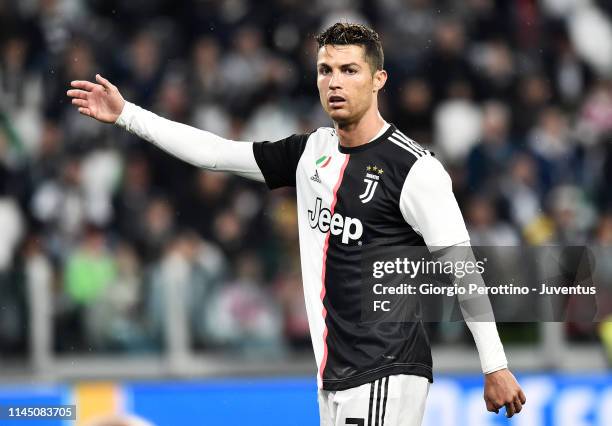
(371, 144)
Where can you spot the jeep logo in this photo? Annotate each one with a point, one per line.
(350, 228)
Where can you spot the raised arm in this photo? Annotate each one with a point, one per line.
(103, 101)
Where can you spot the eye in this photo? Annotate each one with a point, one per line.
(324, 71)
(350, 71)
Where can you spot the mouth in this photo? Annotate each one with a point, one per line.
(336, 101)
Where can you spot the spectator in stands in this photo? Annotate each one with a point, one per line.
(488, 161)
(485, 226)
(513, 124)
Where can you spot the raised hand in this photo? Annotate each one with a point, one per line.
(101, 101)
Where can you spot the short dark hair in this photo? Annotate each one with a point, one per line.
(344, 33)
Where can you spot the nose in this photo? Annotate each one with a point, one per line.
(335, 81)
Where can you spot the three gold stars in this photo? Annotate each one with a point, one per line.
(375, 169)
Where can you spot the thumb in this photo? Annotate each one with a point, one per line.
(104, 82)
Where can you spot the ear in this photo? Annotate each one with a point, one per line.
(379, 79)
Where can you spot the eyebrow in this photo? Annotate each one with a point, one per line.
(324, 64)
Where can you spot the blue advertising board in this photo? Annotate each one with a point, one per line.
(454, 400)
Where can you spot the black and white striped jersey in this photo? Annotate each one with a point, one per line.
(387, 192)
(390, 191)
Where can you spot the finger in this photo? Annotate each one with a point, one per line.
(522, 396)
(104, 82)
(517, 405)
(491, 406)
(83, 84)
(509, 410)
(80, 94)
(85, 111)
(80, 102)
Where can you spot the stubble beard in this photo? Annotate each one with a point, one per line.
(348, 120)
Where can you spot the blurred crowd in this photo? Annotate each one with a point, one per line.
(515, 98)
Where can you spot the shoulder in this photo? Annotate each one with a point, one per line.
(405, 147)
(323, 133)
(304, 138)
(407, 157)
(427, 174)
(319, 139)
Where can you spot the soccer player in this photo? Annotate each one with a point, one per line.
(361, 182)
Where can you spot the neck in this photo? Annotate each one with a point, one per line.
(359, 132)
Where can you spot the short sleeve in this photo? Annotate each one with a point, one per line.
(278, 160)
(429, 206)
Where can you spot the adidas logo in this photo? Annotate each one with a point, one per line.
(316, 177)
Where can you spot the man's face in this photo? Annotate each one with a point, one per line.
(346, 85)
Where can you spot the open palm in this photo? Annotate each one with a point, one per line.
(101, 101)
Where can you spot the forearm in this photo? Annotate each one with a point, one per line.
(476, 310)
(488, 343)
(198, 147)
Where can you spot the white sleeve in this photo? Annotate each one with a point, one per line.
(430, 208)
(195, 146)
(489, 345)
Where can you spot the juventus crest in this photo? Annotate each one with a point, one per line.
(371, 179)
